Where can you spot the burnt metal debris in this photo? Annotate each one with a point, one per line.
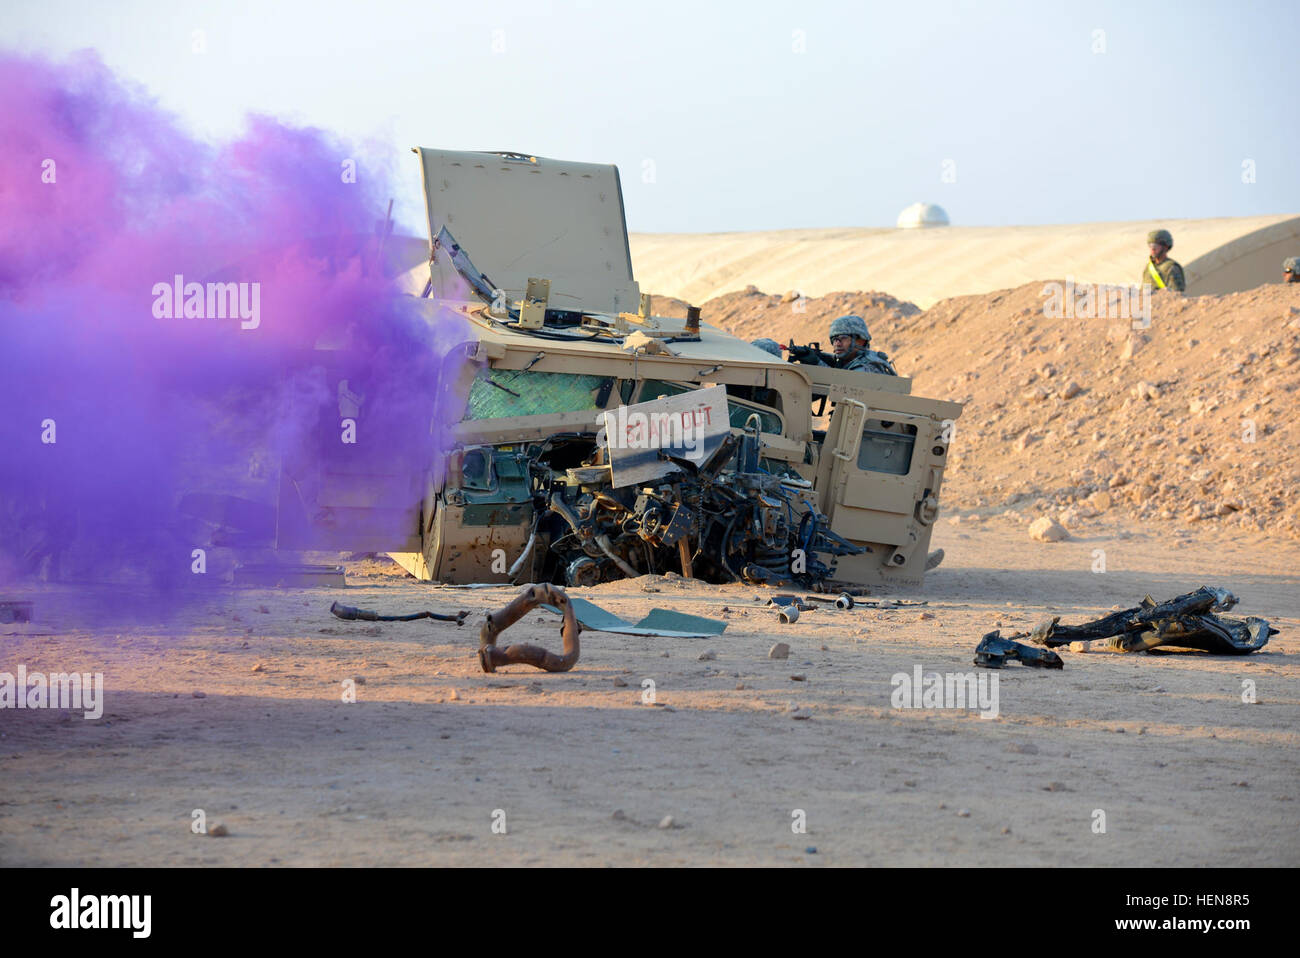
(351, 614)
(994, 651)
(490, 655)
(843, 601)
(1187, 621)
(719, 524)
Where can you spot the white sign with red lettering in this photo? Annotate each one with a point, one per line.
(689, 426)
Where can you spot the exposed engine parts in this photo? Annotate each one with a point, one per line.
(724, 520)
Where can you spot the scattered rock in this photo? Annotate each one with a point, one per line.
(924, 616)
(780, 650)
(620, 682)
(453, 696)
(1101, 501)
(1083, 646)
(259, 667)
(1046, 529)
(1071, 390)
(199, 695)
(218, 830)
(963, 813)
(666, 822)
(799, 677)
(708, 655)
(1132, 346)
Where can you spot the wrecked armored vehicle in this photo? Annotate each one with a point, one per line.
(599, 441)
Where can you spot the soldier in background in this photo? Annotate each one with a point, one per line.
(1291, 269)
(851, 342)
(768, 346)
(1162, 272)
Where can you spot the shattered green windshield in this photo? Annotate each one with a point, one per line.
(514, 392)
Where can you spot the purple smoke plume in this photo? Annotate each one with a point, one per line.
(136, 424)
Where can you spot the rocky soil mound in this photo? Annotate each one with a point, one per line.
(1191, 417)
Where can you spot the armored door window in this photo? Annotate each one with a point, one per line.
(887, 447)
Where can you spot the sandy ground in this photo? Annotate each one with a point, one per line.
(585, 772)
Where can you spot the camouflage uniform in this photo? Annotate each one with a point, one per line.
(1291, 266)
(871, 361)
(1171, 274)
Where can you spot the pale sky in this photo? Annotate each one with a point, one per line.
(755, 115)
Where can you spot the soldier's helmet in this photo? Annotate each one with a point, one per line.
(1291, 264)
(850, 326)
(768, 345)
(1160, 236)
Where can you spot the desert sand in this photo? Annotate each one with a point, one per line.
(586, 771)
(235, 705)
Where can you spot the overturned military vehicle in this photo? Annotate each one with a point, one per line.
(599, 441)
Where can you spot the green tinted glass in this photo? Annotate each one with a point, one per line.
(538, 393)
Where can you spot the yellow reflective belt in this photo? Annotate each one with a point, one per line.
(1155, 274)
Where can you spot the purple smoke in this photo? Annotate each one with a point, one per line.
(104, 202)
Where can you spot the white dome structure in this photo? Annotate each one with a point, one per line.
(919, 215)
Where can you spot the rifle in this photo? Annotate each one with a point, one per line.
(810, 355)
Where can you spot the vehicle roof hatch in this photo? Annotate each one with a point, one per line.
(519, 216)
